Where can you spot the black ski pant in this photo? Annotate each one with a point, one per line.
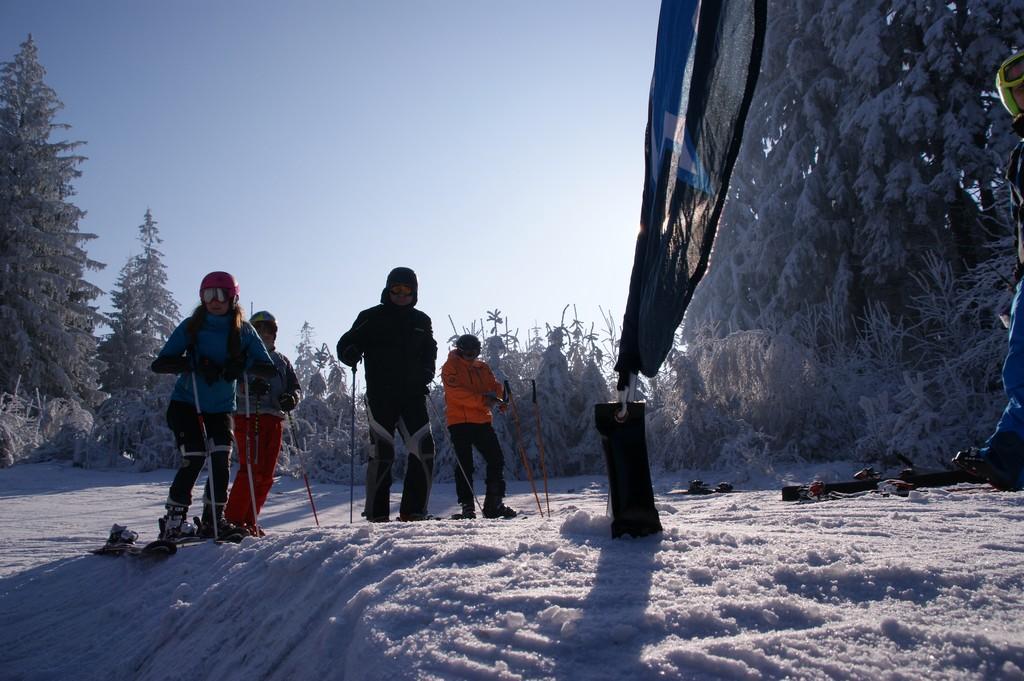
(407, 414)
(184, 423)
(465, 436)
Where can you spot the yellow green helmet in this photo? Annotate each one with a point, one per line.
(1010, 76)
(264, 317)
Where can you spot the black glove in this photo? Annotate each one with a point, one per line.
(259, 387)
(170, 365)
(287, 401)
(234, 368)
(210, 371)
(352, 355)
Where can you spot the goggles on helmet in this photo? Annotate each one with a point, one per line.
(400, 290)
(265, 327)
(1009, 77)
(211, 294)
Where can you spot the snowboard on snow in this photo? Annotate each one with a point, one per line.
(629, 472)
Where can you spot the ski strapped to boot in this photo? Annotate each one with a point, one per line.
(906, 481)
(122, 542)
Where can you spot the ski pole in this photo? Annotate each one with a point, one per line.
(302, 467)
(519, 444)
(248, 452)
(352, 454)
(209, 455)
(451, 444)
(540, 445)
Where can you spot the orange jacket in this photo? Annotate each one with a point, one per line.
(466, 385)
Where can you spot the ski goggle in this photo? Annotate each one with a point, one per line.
(211, 294)
(265, 327)
(1009, 77)
(400, 290)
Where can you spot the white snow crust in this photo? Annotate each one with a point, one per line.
(739, 586)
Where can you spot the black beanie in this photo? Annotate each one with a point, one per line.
(402, 275)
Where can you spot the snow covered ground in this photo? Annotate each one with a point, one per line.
(740, 586)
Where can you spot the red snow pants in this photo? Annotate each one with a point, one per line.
(264, 460)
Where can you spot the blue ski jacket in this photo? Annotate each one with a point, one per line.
(211, 344)
(1015, 178)
(1012, 419)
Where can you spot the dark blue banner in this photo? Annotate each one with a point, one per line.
(705, 70)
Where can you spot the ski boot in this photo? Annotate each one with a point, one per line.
(174, 526)
(468, 512)
(225, 529)
(121, 536)
(415, 517)
(253, 530)
(699, 487)
(494, 508)
(1001, 462)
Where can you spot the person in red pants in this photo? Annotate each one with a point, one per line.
(259, 427)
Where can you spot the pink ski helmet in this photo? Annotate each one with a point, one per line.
(214, 282)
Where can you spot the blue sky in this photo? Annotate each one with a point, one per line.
(309, 147)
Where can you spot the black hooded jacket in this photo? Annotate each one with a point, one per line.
(397, 342)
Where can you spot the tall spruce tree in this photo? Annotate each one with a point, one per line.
(46, 319)
(305, 356)
(145, 314)
(875, 143)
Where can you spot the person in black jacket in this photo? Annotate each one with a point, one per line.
(397, 342)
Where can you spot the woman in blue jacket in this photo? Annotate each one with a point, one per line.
(210, 350)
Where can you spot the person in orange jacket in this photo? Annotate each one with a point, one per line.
(470, 392)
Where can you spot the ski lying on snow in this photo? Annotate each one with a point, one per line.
(459, 516)
(154, 549)
(902, 485)
(700, 488)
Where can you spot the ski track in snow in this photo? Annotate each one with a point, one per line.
(739, 586)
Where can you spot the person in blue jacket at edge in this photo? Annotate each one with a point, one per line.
(210, 351)
(1001, 459)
